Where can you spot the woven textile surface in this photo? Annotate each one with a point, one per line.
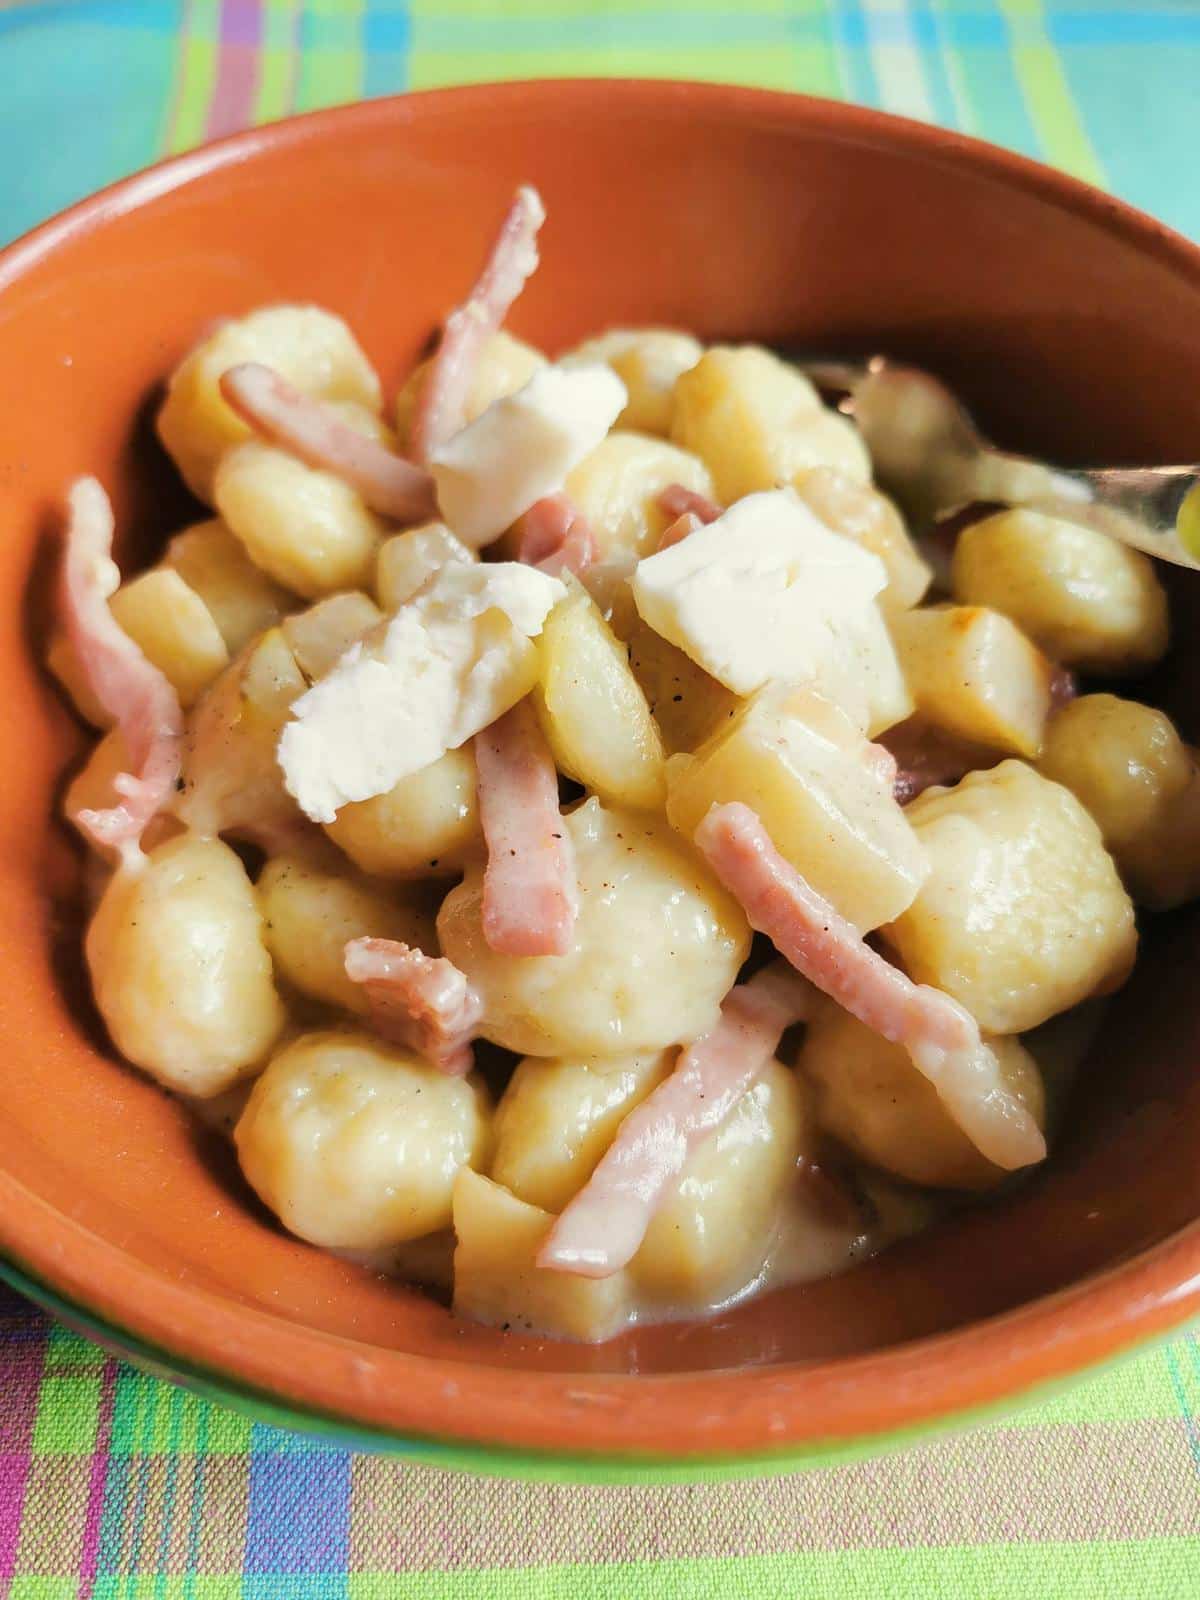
(115, 1484)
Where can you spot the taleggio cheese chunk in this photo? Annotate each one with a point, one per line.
(522, 448)
(805, 770)
(762, 593)
(446, 665)
(1023, 914)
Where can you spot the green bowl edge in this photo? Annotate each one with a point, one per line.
(502, 1461)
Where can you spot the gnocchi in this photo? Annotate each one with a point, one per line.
(180, 970)
(371, 809)
(649, 362)
(310, 914)
(311, 348)
(306, 529)
(1132, 772)
(804, 768)
(871, 1097)
(1022, 914)
(355, 1144)
(557, 1117)
(1085, 600)
(975, 676)
(241, 599)
(593, 710)
(657, 944)
(424, 826)
(757, 423)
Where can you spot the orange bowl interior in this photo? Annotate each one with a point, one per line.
(1069, 323)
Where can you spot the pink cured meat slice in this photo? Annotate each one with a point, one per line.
(131, 689)
(676, 501)
(601, 1229)
(441, 405)
(680, 529)
(941, 1037)
(556, 537)
(530, 891)
(316, 435)
(422, 1002)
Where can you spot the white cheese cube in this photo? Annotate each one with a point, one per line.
(442, 668)
(762, 593)
(522, 448)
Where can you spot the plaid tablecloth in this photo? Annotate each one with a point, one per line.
(113, 1484)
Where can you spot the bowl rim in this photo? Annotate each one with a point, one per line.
(720, 1415)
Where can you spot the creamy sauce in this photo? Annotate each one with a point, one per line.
(834, 1216)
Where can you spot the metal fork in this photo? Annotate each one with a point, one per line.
(927, 449)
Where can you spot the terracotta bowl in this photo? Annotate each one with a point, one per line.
(1071, 323)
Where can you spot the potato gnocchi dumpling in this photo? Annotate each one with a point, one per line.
(686, 702)
(310, 348)
(408, 560)
(497, 1280)
(557, 1117)
(320, 636)
(617, 489)
(174, 629)
(425, 826)
(975, 676)
(1022, 914)
(657, 945)
(240, 597)
(1084, 599)
(1128, 766)
(712, 1235)
(592, 708)
(180, 970)
(757, 423)
(231, 780)
(306, 529)
(649, 362)
(871, 1096)
(355, 1144)
(807, 773)
(309, 915)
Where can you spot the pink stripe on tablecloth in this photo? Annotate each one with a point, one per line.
(237, 67)
(90, 1552)
(18, 1413)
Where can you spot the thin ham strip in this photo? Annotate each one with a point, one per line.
(309, 430)
(679, 529)
(530, 891)
(602, 1228)
(555, 537)
(675, 501)
(420, 1001)
(441, 406)
(132, 691)
(942, 1038)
